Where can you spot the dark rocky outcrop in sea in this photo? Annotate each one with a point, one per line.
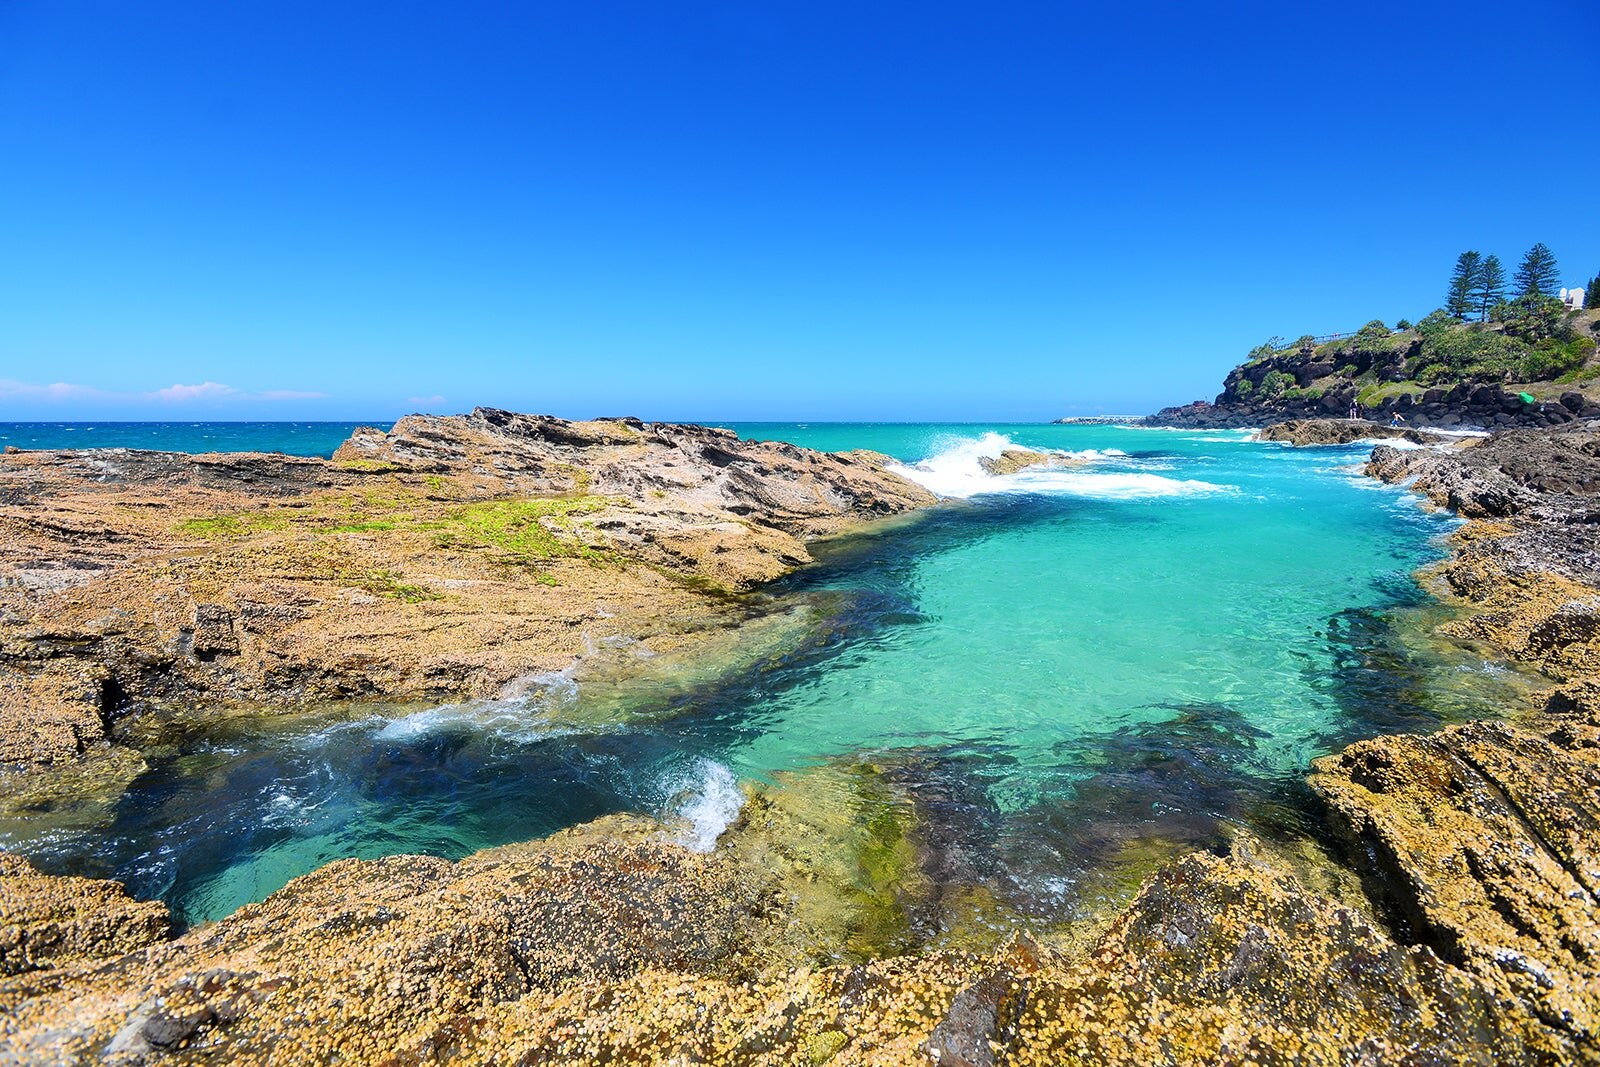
(1303, 432)
(1324, 384)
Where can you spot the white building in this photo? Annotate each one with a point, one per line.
(1573, 298)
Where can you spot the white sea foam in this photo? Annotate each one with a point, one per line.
(520, 713)
(1237, 434)
(709, 803)
(956, 471)
(1402, 445)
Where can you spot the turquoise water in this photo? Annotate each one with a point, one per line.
(1196, 570)
(293, 438)
(1143, 645)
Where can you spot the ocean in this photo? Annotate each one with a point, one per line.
(1068, 673)
(293, 438)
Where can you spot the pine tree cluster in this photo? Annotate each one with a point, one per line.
(1478, 283)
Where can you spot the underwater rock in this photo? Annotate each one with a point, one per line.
(836, 843)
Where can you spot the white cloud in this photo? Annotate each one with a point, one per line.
(59, 392)
(203, 391)
(425, 401)
(54, 391)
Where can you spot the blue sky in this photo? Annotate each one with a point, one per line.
(721, 211)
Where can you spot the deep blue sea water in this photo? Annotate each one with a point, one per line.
(293, 438)
(1125, 652)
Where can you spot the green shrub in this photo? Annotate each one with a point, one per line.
(1275, 382)
(1244, 388)
(1469, 354)
(1403, 324)
(1436, 322)
(1555, 359)
(1348, 370)
(1534, 318)
(1375, 330)
(1265, 350)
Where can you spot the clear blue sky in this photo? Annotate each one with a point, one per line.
(793, 210)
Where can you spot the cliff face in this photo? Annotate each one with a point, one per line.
(1322, 382)
(444, 558)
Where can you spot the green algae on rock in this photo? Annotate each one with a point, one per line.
(442, 559)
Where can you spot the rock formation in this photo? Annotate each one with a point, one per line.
(47, 922)
(1013, 460)
(1301, 432)
(444, 558)
(1388, 372)
(1474, 937)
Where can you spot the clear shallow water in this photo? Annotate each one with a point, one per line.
(293, 438)
(1116, 655)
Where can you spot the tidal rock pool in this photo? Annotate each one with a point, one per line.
(1066, 674)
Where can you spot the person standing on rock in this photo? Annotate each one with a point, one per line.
(1355, 410)
(1397, 420)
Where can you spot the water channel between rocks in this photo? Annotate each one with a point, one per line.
(1066, 672)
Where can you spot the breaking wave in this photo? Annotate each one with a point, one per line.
(958, 470)
(521, 713)
(709, 803)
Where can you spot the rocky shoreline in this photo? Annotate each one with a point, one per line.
(1461, 407)
(1473, 935)
(1303, 432)
(446, 558)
